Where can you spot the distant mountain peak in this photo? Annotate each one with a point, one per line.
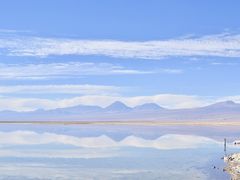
(149, 106)
(224, 105)
(117, 106)
(78, 109)
(117, 103)
(230, 102)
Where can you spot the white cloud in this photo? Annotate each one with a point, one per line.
(85, 89)
(232, 98)
(221, 45)
(172, 71)
(48, 70)
(172, 101)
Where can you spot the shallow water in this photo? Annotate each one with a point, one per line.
(113, 152)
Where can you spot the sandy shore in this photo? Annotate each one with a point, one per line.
(233, 165)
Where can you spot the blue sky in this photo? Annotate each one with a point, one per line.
(64, 53)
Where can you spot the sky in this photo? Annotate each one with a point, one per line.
(70, 52)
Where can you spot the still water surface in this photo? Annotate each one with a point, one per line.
(113, 152)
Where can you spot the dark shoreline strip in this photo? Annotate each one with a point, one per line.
(134, 123)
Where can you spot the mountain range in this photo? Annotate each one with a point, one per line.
(227, 110)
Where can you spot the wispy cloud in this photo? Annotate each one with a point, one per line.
(220, 45)
(84, 89)
(223, 64)
(171, 71)
(56, 70)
